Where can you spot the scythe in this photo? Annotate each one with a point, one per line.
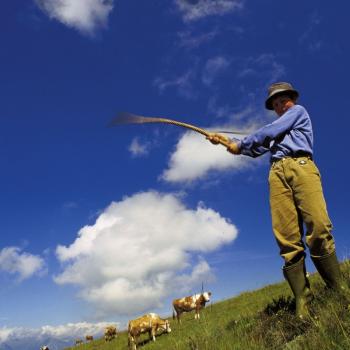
(129, 118)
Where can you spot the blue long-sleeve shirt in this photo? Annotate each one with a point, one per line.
(289, 135)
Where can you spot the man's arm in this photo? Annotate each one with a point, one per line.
(254, 152)
(270, 132)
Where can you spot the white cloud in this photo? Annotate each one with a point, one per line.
(55, 337)
(188, 40)
(70, 205)
(244, 108)
(213, 68)
(311, 36)
(182, 83)
(137, 149)
(264, 67)
(22, 264)
(246, 120)
(140, 250)
(276, 69)
(195, 157)
(84, 15)
(5, 334)
(247, 115)
(195, 9)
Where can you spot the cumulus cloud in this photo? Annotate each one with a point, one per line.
(192, 10)
(21, 264)
(55, 337)
(137, 149)
(194, 157)
(84, 15)
(5, 334)
(140, 249)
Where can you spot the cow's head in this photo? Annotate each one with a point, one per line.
(206, 296)
(166, 326)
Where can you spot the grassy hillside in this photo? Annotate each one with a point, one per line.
(262, 319)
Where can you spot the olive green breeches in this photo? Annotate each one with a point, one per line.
(297, 201)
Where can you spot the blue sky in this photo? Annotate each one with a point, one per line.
(94, 218)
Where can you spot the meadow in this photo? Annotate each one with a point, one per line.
(261, 319)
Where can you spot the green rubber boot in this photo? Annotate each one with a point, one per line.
(328, 268)
(296, 276)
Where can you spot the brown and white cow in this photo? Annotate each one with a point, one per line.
(79, 342)
(150, 323)
(187, 304)
(110, 333)
(89, 338)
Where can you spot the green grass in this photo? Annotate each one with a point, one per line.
(262, 319)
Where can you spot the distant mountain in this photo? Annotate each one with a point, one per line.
(55, 337)
(30, 343)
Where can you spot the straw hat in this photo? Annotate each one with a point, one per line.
(279, 88)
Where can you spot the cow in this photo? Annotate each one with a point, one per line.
(78, 342)
(89, 338)
(110, 333)
(187, 304)
(150, 323)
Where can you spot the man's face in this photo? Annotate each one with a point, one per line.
(281, 104)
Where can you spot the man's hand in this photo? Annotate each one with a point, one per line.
(233, 148)
(216, 138)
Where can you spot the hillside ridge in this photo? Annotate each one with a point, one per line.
(255, 320)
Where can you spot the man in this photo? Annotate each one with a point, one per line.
(296, 195)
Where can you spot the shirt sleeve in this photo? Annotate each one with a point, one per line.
(258, 143)
(254, 152)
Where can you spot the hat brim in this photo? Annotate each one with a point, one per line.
(294, 94)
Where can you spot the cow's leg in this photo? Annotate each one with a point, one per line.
(154, 330)
(178, 314)
(136, 339)
(196, 316)
(132, 342)
(150, 334)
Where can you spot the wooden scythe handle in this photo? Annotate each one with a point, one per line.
(129, 118)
